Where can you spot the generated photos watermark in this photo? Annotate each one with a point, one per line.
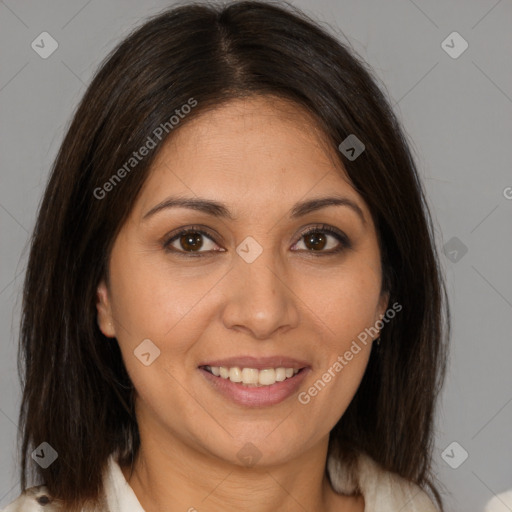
(343, 360)
(145, 149)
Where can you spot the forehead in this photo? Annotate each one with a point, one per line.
(257, 150)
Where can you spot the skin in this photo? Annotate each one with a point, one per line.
(259, 156)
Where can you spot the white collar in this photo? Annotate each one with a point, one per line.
(120, 496)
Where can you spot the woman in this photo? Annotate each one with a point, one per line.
(233, 298)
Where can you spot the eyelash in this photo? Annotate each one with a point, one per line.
(320, 228)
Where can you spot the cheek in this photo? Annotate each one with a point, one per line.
(331, 389)
(150, 300)
(155, 301)
(344, 303)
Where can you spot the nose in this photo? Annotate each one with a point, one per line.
(260, 298)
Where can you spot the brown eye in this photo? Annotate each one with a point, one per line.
(316, 239)
(188, 242)
(191, 241)
(320, 240)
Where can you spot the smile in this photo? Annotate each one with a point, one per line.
(255, 388)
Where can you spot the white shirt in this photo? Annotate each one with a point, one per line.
(120, 496)
(383, 491)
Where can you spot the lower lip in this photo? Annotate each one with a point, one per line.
(253, 396)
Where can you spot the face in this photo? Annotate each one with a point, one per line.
(265, 280)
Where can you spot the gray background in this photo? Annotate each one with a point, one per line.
(457, 112)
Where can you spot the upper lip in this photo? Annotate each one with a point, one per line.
(258, 363)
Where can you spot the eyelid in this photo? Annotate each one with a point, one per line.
(175, 234)
(342, 238)
(337, 233)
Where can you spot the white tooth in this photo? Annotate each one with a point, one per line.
(250, 376)
(235, 374)
(267, 377)
(280, 374)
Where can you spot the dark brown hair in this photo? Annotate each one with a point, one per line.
(77, 395)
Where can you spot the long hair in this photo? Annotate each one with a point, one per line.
(77, 395)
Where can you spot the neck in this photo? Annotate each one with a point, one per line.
(182, 479)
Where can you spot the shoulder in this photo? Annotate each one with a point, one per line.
(383, 490)
(34, 499)
(38, 499)
(500, 503)
(392, 489)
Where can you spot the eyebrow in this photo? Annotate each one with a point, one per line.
(217, 209)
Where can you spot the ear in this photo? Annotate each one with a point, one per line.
(383, 305)
(104, 308)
